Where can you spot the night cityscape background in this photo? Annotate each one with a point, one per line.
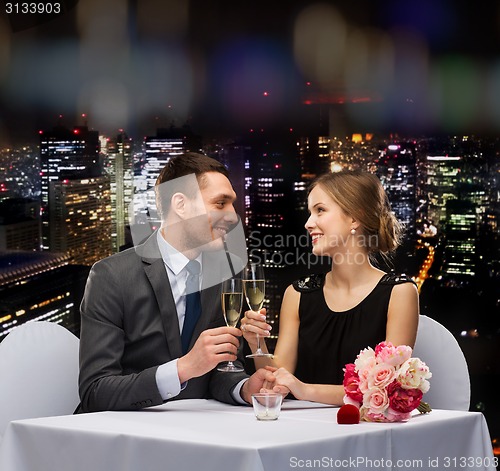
(95, 101)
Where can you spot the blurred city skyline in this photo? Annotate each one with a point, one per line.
(444, 189)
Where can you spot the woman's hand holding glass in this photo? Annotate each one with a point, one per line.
(255, 292)
(255, 327)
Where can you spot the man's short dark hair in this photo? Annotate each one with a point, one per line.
(179, 166)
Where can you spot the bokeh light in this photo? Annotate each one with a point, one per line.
(456, 89)
(107, 102)
(320, 42)
(408, 99)
(125, 79)
(156, 58)
(493, 96)
(103, 25)
(43, 74)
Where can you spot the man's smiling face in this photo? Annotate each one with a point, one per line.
(211, 214)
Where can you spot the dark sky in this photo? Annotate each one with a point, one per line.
(225, 64)
(448, 25)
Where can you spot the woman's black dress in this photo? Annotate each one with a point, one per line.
(328, 339)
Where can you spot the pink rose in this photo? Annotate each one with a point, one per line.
(388, 416)
(386, 352)
(376, 400)
(365, 361)
(393, 416)
(351, 383)
(381, 375)
(368, 416)
(383, 346)
(403, 400)
(403, 353)
(363, 381)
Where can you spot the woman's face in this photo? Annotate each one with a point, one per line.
(328, 225)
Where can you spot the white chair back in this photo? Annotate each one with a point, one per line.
(38, 372)
(450, 382)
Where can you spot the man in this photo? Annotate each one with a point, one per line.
(136, 348)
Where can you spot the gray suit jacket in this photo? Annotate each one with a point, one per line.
(129, 326)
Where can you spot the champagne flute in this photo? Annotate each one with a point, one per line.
(255, 291)
(232, 304)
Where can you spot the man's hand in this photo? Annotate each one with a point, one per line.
(212, 347)
(263, 378)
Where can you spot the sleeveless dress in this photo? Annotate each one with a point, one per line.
(328, 340)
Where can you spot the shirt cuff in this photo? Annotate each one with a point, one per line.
(167, 380)
(236, 392)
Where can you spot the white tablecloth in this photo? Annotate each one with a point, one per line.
(204, 435)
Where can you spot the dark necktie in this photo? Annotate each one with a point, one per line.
(193, 303)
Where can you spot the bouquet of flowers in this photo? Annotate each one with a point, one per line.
(386, 384)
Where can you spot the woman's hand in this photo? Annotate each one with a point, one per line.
(253, 324)
(271, 387)
(286, 382)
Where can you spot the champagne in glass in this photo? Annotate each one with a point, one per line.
(255, 291)
(231, 307)
(232, 303)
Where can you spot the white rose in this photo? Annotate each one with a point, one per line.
(413, 375)
(365, 360)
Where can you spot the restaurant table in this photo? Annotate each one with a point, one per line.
(205, 435)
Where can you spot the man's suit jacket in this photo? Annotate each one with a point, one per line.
(129, 326)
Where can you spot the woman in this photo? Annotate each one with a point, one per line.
(327, 319)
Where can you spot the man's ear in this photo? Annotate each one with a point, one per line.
(178, 204)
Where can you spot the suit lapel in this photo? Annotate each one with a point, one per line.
(210, 296)
(157, 275)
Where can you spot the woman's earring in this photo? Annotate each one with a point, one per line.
(353, 231)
